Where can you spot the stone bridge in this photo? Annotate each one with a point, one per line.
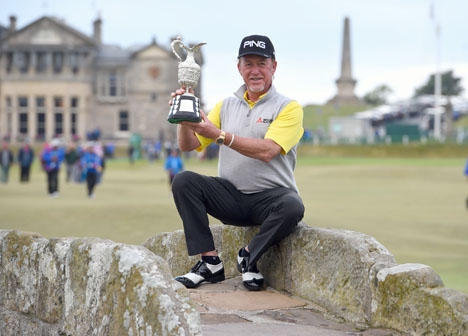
(90, 286)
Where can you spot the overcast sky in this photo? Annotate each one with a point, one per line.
(393, 42)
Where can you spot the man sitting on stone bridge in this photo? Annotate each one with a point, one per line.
(258, 131)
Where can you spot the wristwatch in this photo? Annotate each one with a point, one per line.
(220, 139)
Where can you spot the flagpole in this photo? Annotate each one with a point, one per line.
(437, 88)
(437, 78)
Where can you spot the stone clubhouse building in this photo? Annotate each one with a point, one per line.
(58, 82)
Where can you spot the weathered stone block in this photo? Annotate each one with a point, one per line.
(89, 286)
(331, 268)
(228, 240)
(411, 298)
(328, 267)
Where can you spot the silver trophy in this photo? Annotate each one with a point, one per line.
(186, 107)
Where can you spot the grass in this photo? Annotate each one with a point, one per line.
(413, 206)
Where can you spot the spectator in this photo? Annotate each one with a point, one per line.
(466, 174)
(173, 165)
(6, 160)
(72, 158)
(25, 160)
(91, 163)
(52, 158)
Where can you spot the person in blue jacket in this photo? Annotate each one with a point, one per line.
(173, 165)
(466, 174)
(91, 164)
(52, 158)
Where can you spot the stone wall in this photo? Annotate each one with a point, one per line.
(88, 287)
(91, 286)
(350, 274)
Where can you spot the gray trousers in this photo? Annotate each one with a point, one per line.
(277, 211)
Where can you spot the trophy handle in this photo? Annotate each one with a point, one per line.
(179, 42)
(190, 50)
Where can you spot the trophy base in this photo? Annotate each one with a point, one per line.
(185, 107)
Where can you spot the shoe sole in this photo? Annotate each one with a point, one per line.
(251, 288)
(191, 284)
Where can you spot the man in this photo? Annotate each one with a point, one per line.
(466, 174)
(52, 158)
(173, 165)
(92, 166)
(6, 160)
(257, 131)
(72, 158)
(25, 160)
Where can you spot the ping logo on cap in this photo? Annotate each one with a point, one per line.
(258, 44)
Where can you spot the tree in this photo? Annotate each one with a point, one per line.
(378, 96)
(450, 85)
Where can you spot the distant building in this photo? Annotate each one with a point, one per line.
(56, 81)
(346, 83)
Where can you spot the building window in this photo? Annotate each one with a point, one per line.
(23, 104)
(74, 58)
(9, 61)
(74, 102)
(113, 84)
(41, 126)
(74, 115)
(41, 62)
(9, 110)
(123, 121)
(40, 103)
(74, 124)
(8, 103)
(58, 124)
(9, 123)
(58, 104)
(23, 101)
(22, 59)
(57, 61)
(23, 123)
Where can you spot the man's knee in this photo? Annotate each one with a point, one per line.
(292, 209)
(182, 180)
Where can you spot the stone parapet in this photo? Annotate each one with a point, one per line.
(350, 274)
(88, 286)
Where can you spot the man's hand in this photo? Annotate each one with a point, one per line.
(204, 128)
(179, 92)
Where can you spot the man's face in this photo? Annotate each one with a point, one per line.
(257, 72)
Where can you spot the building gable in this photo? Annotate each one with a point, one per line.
(153, 51)
(48, 31)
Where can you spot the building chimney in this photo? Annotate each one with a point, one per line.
(12, 28)
(97, 35)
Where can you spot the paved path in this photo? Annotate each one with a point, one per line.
(227, 308)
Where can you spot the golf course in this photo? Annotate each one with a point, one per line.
(414, 206)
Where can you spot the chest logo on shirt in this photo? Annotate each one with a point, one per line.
(260, 120)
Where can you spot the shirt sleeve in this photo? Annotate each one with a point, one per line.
(286, 130)
(214, 117)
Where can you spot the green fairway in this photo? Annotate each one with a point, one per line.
(414, 207)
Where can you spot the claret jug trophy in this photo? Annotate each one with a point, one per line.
(186, 107)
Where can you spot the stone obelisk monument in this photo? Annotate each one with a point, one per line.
(345, 83)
